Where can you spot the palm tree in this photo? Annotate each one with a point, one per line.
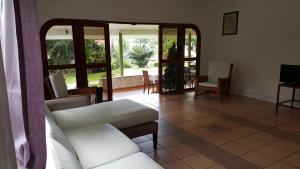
(140, 54)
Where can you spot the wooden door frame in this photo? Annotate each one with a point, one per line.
(79, 51)
(181, 30)
(162, 61)
(56, 22)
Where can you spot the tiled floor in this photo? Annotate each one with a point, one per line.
(240, 133)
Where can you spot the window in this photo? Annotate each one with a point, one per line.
(79, 51)
(60, 53)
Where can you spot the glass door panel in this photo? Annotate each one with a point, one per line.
(189, 74)
(169, 60)
(97, 58)
(169, 43)
(190, 49)
(169, 78)
(59, 45)
(94, 39)
(98, 77)
(190, 58)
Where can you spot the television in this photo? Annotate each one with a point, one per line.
(290, 74)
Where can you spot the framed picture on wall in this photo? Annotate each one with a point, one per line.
(230, 23)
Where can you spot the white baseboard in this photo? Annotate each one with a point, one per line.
(255, 95)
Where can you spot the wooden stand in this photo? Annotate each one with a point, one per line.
(278, 103)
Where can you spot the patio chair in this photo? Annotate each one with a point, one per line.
(149, 82)
(217, 80)
(56, 88)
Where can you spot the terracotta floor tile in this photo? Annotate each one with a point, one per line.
(200, 122)
(184, 136)
(239, 163)
(162, 157)
(199, 161)
(227, 123)
(218, 167)
(267, 138)
(246, 130)
(259, 159)
(200, 145)
(293, 127)
(187, 125)
(280, 149)
(221, 132)
(219, 154)
(182, 150)
(213, 118)
(281, 165)
(167, 141)
(217, 139)
(251, 142)
(236, 148)
(200, 132)
(176, 165)
(147, 147)
(232, 134)
(293, 159)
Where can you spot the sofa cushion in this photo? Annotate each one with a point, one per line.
(73, 101)
(208, 84)
(48, 112)
(218, 70)
(99, 144)
(58, 157)
(54, 132)
(134, 161)
(120, 113)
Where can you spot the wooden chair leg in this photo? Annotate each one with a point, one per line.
(144, 88)
(152, 88)
(155, 141)
(148, 89)
(220, 96)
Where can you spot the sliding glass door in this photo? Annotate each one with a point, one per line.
(178, 58)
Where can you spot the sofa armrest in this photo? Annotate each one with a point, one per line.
(68, 102)
(199, 79)
(224, 83)
(86, 90)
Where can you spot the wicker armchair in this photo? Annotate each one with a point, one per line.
(217, 80)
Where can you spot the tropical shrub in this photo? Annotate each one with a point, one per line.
(140, 55)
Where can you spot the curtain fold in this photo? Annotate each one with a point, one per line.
(33, 72)
(23, 75)
(7, 149)
(12, 74)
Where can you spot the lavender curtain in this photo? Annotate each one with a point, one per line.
(34, 83)
(11, 62)
(23, 70)
(7, 149)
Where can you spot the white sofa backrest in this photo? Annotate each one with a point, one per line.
(58, 85)
(218, 70)
(59, 157)
(48, 112)
(54, 132)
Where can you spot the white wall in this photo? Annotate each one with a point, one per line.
(155, 11)
(269, 35)
(268, 32)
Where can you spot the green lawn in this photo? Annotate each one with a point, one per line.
(94, 78)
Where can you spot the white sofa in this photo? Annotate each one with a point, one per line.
(77, 142)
